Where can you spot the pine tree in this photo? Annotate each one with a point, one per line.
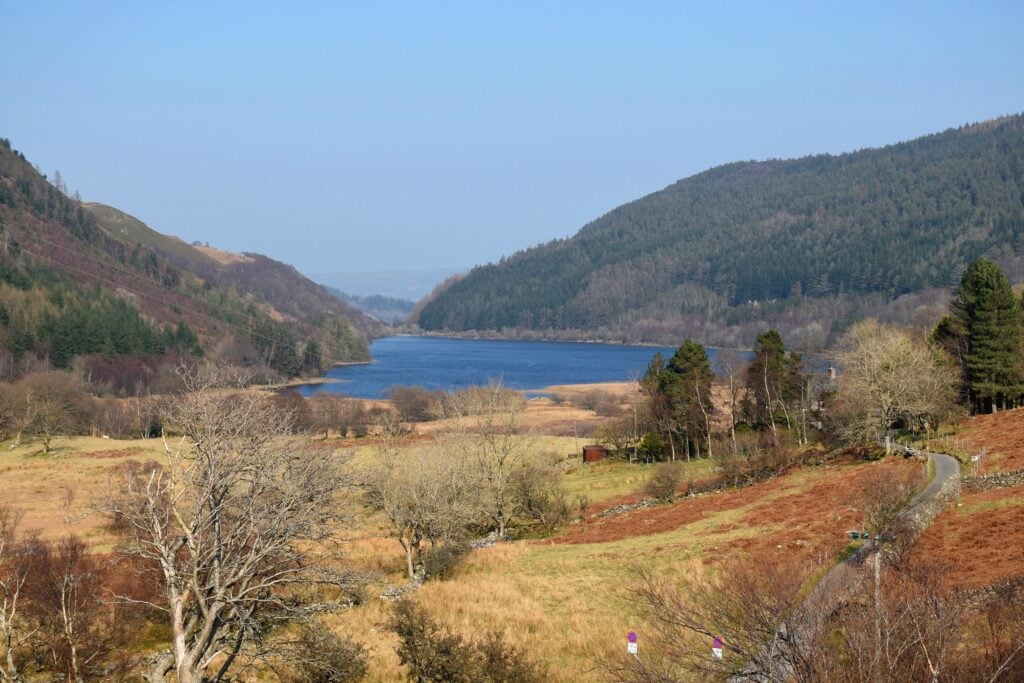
(764, 373)
(988, 315)
(680, 394)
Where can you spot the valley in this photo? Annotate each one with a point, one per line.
(214, 468)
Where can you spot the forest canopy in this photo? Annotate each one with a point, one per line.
(741, 240)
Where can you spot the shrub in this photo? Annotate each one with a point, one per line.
(543, 500)
(439, 560)
(664, 481)
(415, 404)
(604, 403)
(322, 656)
(430, 653)
(435, 655)
(652, 447)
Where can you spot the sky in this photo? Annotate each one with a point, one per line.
(388, 136)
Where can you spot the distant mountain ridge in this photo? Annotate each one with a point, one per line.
(239, 308)
(411, 284)
(754, 242)
(389, 309)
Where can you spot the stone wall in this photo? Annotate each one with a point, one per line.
(920, 515)
(1009, 592)
(986, 482)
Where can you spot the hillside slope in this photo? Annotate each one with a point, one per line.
(278, 284)
(74, 277)
(770, 240)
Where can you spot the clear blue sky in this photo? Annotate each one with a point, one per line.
(383, 136)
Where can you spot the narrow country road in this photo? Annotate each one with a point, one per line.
(945, 467)
(841, 577)
(840, 580)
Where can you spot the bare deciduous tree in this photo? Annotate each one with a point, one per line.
(775, 629)
(14, 571)
(750, 606)
(889, 378)
(486, 432)
(236, 521)
(732, 365)
(51, 404)
(66, 596)
(426, 494)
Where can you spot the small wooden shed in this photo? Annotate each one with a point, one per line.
(594, 453)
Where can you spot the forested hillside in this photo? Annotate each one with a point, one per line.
(807, 245)
(85, 281)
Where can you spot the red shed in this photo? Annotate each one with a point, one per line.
(594, 453)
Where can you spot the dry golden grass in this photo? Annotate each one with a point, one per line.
(38, 484)
(621, 390)
(566, 604)
(223, 257)
(570, 604)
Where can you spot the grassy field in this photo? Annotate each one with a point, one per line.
(565, 599)
(57, 491)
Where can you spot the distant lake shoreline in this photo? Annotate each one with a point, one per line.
(447, 363)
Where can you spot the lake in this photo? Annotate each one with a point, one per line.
(444, 363)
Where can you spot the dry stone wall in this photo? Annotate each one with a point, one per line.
(921, 514)
(987, 482)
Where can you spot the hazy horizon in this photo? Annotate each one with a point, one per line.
(411, 284)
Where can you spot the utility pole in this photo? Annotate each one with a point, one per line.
(878, 598)
(877, 540)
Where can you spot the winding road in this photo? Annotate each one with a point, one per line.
(841, 579)
(945, 467)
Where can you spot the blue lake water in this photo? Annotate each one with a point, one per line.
(443, 363)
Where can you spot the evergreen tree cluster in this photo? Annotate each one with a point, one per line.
(770, 393)
(874, 222)
(44, 313)
(984, 333)
(774, 379)
(680, 395)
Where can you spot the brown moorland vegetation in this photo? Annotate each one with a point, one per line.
(1001, 435)
(56, 492)
(981, 539)
(814, 506)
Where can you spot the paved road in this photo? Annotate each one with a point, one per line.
(845, 575)
(945, 467)
(842, 575)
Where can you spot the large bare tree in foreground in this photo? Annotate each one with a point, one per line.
(237, 523)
